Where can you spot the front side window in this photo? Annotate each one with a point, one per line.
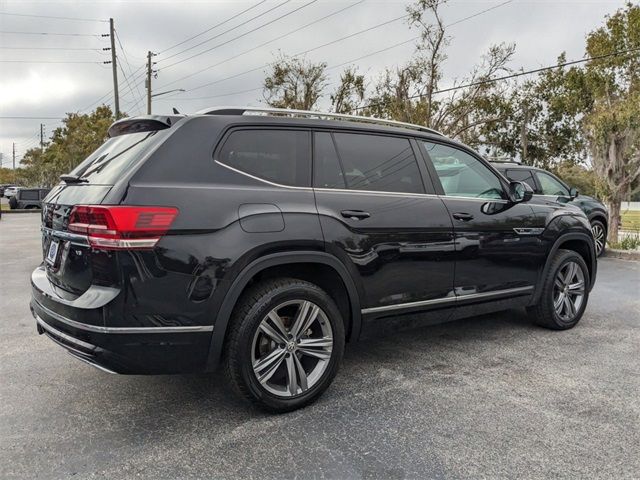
(461, 174)
(279, 156)
(378, 163)
(551, 186)
(521, 175)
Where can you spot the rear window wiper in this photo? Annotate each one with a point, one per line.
(73, 179)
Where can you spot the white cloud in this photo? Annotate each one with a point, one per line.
(35, 89)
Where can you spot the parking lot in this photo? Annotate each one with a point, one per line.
(492, 396)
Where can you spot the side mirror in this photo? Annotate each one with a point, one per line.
(573, 192)
(520, 192)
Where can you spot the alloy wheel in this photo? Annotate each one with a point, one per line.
(568, 291)
(598, 236)
(292, 348)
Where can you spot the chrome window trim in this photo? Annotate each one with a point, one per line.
(98, 329)
(400, 306)
(357, 192)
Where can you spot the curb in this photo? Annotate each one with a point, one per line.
(623, 254)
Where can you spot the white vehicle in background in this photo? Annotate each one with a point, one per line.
(10, 191)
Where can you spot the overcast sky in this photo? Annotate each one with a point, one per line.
(541, 29)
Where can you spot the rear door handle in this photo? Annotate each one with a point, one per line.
(355, 214)
(465, 217)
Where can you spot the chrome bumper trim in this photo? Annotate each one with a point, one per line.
(98, 329)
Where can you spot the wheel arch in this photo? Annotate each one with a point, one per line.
(580, 243)
(290, 264)
(601, 217)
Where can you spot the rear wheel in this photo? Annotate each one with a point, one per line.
(285, 344)
(564, 293)
(599, 236)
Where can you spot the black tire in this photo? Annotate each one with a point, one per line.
(544, 313)
(13, 203)
(252, 308)
(596, 226)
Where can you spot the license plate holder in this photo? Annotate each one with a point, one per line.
(52, 253)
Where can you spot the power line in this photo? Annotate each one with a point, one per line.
(211, 28)
(412, 39)
(254, 48)
(519, 74)
(55, 18)
(51, 48)
(481, 12)
(50, 61)
(301, 53)
(51, 33)
(124, 54)
(221, 34)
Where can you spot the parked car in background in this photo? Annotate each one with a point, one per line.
(28, 198)
(276, 239)
(10, 191)
(3, 186)
(547, 187)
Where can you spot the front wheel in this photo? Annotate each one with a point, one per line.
(565, 292)
(285, 344)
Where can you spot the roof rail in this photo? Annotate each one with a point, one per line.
(503, 160)
(309, 113)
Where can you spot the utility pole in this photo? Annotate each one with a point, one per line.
(148, 82)
(114, 68)
(15, 178)
(41, 137)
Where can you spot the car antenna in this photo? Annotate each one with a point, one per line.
(175, 111)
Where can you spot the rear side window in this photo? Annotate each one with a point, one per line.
(29, 194)
(378, 163)
(279, 156)
(521, 175)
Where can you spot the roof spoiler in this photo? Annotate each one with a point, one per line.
(142, 123)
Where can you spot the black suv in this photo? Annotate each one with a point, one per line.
(547, 187)
(265, 239)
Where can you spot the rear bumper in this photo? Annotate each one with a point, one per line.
(125, 350)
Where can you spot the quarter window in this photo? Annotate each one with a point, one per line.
(378, 163)
(461, 174)
(280, 156)
(551, 186)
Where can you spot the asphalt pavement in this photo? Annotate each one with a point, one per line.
(487, 397)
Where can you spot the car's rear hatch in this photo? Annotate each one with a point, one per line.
(71, 262)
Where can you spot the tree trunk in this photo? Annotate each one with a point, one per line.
(614, 219)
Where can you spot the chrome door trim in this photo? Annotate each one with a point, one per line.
(445, 300)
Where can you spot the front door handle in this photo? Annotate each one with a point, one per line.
(465, 217)
(355, 214)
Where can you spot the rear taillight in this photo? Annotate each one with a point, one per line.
(118, 227)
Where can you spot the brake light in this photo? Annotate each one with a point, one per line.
(118, 227)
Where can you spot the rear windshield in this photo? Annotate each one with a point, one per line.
(115, 157)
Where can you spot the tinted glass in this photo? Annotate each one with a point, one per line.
(280, 156)
(461, 174)
(29, 194)
(115, 156)
(521, 175)
(327, 170)
(375, 162)
(551, 186)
